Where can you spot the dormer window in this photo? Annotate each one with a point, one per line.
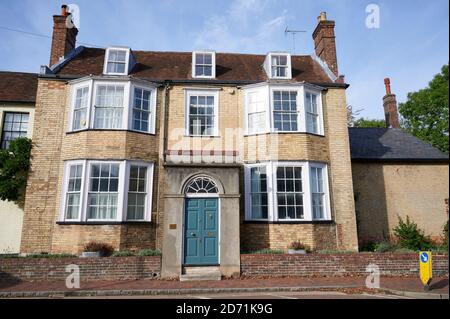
(204, 64)
(117, 61)
(278, 66)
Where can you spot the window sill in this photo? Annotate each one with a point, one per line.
(203, 136)
(283, 133)
(90, 223)
(106, 129)
(289, 222)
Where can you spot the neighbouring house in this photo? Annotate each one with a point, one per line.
(199, 154)
(397, 175)
(17, 99)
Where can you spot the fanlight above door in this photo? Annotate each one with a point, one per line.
(202, 185)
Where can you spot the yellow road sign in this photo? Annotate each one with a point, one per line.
(426, 268)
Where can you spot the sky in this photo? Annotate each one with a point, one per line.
(410, 45)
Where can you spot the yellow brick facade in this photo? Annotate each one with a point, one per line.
(53, 145)
(385, 191)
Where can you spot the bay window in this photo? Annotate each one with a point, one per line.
(282, 108)
(107, 191)
(114, 105)
(286, 192)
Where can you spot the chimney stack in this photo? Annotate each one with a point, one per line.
(324, 42)
(390, 106)
(63, 38)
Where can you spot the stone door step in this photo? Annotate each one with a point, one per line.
(201, 273)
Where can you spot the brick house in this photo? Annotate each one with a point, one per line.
(199, 154)
(397, 175)
(17, 99)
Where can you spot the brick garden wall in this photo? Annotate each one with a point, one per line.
(282, 265)
(337, 264)
(91, 269)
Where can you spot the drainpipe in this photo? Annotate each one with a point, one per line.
(162, 150)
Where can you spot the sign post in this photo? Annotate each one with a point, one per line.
(426, 269)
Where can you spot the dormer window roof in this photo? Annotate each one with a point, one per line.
(204, 64)
(278, 65)
(118, 61)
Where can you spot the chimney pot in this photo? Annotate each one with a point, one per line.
(387, 84)
(323, 16)
(64, 12)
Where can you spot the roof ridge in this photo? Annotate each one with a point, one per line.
(18, 72)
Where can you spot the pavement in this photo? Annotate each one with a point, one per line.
(258, 288)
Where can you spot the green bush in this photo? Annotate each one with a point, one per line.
(123, 253)
(14, 165)
(410, 236)
(369, 247)
(149, 252)
(384, 247)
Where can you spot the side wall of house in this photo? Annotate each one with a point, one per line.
(11, 215)
(385, 191)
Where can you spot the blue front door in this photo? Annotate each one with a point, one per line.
(201, 242)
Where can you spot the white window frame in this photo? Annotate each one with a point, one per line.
(126, 106)
(73, 93)
(213, 66)
(326, 189)
(148, 187)
(127, 123)
(268, 65)
(152, 108)
(247, 187)
(271, 170)
(124, 170)
(320, 128)
(301, 107)
(266, 110)
(127, 60)
(65, 188)
(201, 92)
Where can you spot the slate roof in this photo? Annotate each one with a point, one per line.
(387, 144)
(176, 66)
(18, 87)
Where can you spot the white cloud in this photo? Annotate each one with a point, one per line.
(246, 26)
